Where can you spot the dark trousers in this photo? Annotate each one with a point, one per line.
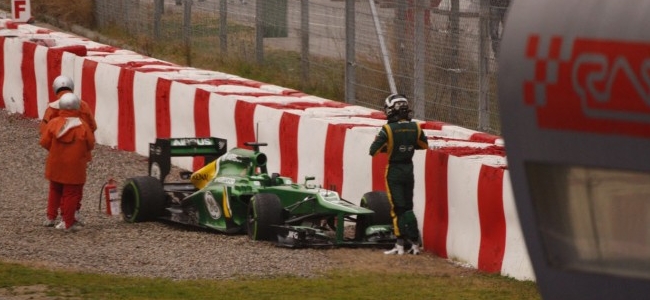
(399, 187)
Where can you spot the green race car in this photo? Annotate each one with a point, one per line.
(233, 193)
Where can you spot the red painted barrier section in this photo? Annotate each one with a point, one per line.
(2, 74)
(288, 137)
(245, 123)
(334, 148)
(163, 114)
(202, 113)
(201, 121)
(432, 125)
(379, 163)
(54, 58)
(483, 138)
(29, 80)
(88, 88)
(126, 113)
(492, 219)
(436, 217)
(78, 50)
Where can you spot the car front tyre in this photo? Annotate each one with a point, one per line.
(264, 211)
(376, 201)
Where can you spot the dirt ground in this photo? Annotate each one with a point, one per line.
(373, 260)
(30, 292)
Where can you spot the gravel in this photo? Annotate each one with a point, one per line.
(109, 245)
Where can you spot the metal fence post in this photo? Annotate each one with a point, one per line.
(259, 31)
(454, 21)
(136, 16)
(159, 7)
(304, 41)
(419, 54)
(187, 30)
(401, 45)
(382, 45)
(125, 15)
(483, 76)
(223, 26)
(350, 53)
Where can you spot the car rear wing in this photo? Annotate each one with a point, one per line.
(161, 152)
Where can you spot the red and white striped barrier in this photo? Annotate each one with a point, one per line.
(464, 202)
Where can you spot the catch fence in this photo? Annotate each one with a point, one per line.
(437, 52)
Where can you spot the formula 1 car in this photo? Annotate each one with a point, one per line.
(233, 193)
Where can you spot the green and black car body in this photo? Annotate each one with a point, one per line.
(233, 193)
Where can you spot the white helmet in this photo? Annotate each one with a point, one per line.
(394, 104)
(69, 101)
(62, 82)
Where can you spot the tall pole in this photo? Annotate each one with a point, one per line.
(483, 78)
(454, 22)
(304, 41)
(382, 46)
(187, 31)
(350, 53)
(259, 31)
(223, 26)
(159, 8)
(419, 60)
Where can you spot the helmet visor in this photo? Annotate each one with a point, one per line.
(399, 104)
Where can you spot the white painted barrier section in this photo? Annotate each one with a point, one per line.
(463, 198)
(106, 109)
(12, 86)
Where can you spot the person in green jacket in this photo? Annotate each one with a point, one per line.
(399, 138)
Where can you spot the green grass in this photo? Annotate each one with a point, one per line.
(339, 284)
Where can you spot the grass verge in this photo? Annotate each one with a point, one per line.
(37, 283)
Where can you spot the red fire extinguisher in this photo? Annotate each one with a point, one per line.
(111, 197)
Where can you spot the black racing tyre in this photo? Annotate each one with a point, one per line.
(264, 211)
(376, 201)
(143, 199)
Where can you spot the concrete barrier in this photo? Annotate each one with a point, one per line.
(464, 202)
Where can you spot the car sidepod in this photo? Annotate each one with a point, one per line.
(218, 209)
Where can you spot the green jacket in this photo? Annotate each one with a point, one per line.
(400, 140)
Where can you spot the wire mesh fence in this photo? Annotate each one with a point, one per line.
(437, 52)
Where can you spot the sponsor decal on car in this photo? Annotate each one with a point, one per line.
(231, 157)
(155, 170)
(226, 180)
(212, 206)
(192, 142)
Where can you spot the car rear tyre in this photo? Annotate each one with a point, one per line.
(143, 199)
(264, 211)
(376, 201)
